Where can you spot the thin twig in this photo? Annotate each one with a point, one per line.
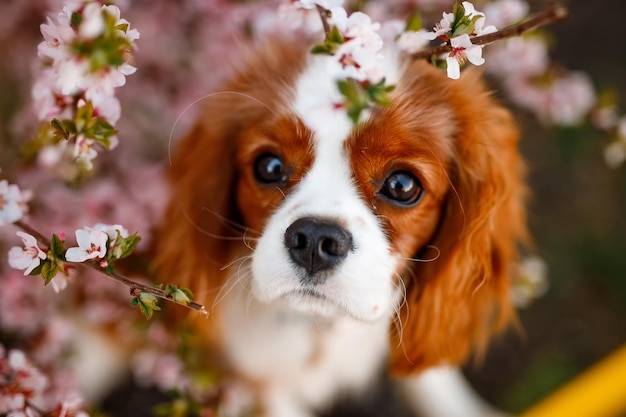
(552, 14)
(133, 285)
(324, 14)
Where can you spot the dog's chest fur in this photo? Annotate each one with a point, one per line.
(313, 359)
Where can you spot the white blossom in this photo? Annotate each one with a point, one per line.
(13, 202)
(463, 49)
(29, 256)
(92, 244)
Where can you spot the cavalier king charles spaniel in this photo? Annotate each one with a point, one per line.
(327, 252)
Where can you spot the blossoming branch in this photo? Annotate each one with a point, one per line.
(356, 47)
(99, 247)
(86, 54)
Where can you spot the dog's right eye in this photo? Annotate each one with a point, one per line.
(269, 169)
(403, 188)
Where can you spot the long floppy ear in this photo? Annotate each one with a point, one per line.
(202, 176)
(456, 302)
(200, 226)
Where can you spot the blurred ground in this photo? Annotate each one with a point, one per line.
(577, 218)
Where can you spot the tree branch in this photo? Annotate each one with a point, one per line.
(552, 14)
(133, 285)
(324, 15)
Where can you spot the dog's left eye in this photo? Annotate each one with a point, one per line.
(269, 169)
(402, 187)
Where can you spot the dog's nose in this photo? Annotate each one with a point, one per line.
(317, 244)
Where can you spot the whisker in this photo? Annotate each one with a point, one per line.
(241, 259)
(235, 226)
(233, 281)
(398, 323)
(206, 232)
(193, 103)
(425, 260)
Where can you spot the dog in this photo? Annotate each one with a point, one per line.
(327, 252)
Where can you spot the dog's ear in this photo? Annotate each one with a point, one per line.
(193, 241)
(456, 302)
(201, 222)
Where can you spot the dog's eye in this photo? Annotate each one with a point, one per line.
(269, 169)
(402, 187)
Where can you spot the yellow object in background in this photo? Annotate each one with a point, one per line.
(598, 392)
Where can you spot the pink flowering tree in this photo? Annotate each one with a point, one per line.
(69, 181)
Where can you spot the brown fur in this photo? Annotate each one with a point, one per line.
(452, 132)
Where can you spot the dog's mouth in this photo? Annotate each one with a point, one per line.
(314, 302)
(311, 293)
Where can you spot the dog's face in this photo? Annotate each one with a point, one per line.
(341, 210)
(419, 206)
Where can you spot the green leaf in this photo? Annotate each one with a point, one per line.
(123, 246)
(100, 130)
(179, 407)
(335, 36)
(49, 270)
(62, 130)
(57, 248)
(123, 27)
(179, 295)
(458, 12)
(75, 20)
(414, 23)
(147, 303)
(321, 49)
(84, 114)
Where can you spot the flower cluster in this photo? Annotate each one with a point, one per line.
(23, 390)
(354, 46)
(100, 246)
(86, 53)
(455, 29)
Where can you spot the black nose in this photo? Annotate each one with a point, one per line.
(317, 244)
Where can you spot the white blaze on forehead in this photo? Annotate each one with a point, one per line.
(316, 98)
(361, 285)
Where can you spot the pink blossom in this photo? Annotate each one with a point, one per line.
(503, 13)
(413, 42)
(105, 105)
(22, 304)
(111, 230)
(27, 257)
(529, 281)
(353, 60)
(356, 25)
(48, 102)
(130, 34)
(92, 23)
(70, 74)
(615, 152)
(92, 244)
(26, 383)
(521, 56)
(57, 36)
(359, 56)
(84, 150)
(463, 49)
(311, 4)
(13, 202)
(564, 101)
(444, 25)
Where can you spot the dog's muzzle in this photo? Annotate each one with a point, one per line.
(317, 245)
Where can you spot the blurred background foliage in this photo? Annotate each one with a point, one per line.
(576, 216)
